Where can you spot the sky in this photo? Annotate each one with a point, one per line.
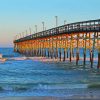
(17, 16)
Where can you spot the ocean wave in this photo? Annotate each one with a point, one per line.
(7, 56)
(31, 87)
(14, 88)
(18, 58)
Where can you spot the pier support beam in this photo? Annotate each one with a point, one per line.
(77, 52)
(56, 56)
(98, 47)
(84, 55)
(92, 59)
(67, 53)
(60, 54)
(71, 48)
(48, 53)
(64, 54)
(90, 51)
(98, 59)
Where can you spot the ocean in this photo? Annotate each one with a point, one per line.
(36, 78)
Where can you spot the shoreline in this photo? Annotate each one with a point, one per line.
(46, 59)
(76, 97)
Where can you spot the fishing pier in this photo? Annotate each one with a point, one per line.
(64, 42)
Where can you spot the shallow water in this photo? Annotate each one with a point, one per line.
(36, 78)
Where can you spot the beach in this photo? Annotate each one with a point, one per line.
(50, 50)
(53, 98)
(40, 78)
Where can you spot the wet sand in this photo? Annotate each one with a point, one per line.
(85, 97)
(45, 59)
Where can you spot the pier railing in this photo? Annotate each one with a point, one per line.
(85, 26)
(64, 42)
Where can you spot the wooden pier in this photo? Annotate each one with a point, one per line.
(64, 42)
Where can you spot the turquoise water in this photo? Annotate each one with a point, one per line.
(35, 78)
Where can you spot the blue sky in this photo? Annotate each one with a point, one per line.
(17, 16)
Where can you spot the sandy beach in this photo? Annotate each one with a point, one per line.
(85, 97)
(45, 59)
